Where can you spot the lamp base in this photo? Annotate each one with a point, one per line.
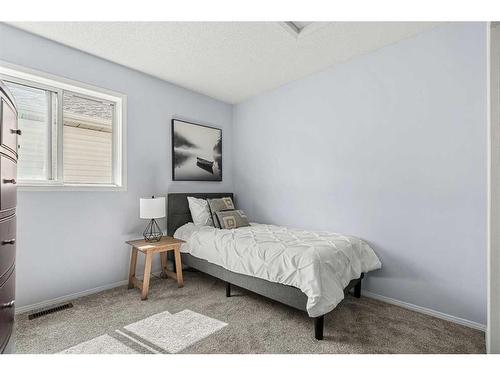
(152, 233)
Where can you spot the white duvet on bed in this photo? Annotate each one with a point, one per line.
(320, 264)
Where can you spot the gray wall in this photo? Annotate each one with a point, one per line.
(70, 242)
(391, 147)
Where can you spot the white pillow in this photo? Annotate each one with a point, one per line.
(200, 211)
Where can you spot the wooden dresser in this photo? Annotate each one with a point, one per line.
(8, 201)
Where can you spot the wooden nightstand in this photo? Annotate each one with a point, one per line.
(149, 249)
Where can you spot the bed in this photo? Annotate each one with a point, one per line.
(179, 218)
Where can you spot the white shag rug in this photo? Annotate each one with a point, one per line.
(159, 333)
(104, 344)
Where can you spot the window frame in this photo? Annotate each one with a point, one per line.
(46, 81)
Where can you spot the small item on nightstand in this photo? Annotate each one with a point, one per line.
(152, 208)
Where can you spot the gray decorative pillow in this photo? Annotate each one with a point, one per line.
(219, 204)
(231, 219)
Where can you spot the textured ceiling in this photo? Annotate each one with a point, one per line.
(230, 61)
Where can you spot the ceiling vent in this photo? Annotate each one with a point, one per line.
(297, 26)
(300, 28)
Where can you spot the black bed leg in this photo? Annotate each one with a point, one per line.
(318, 327)
(228, 290)
(357, 289)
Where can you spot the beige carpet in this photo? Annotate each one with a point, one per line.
(254, 324)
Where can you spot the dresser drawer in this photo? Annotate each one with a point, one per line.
(7, 245)
(8, 182)
(7, 293)
(8, 128)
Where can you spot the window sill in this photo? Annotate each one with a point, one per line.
(68, 187)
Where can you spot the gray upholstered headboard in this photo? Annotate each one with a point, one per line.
(178, 212)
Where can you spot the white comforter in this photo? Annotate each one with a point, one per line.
(320, 264)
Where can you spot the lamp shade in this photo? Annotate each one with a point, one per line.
(152, 208)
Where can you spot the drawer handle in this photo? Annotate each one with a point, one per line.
(9, 242)
(16, 131)
(9, 181)
(8, 305)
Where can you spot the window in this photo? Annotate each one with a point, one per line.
(37, 109)
(88, 141)
(72, 134)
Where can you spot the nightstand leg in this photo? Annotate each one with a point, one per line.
(163, 258)
(147, 275)
(178, 266)
(133, 264)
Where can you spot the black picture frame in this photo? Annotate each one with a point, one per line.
(204, 171)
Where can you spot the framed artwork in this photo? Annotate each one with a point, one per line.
(196, 152)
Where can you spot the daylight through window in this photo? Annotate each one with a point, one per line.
(68, 137)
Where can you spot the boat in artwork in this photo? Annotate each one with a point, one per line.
(205, 164)
(202, 161)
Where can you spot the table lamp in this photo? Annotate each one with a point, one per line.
(152, 208)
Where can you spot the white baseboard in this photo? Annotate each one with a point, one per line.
(392, 301)
(72, 296)
(425, 310)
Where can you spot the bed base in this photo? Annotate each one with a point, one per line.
(179, 214)
(318, 327)
(285, 294)
(319, 321)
